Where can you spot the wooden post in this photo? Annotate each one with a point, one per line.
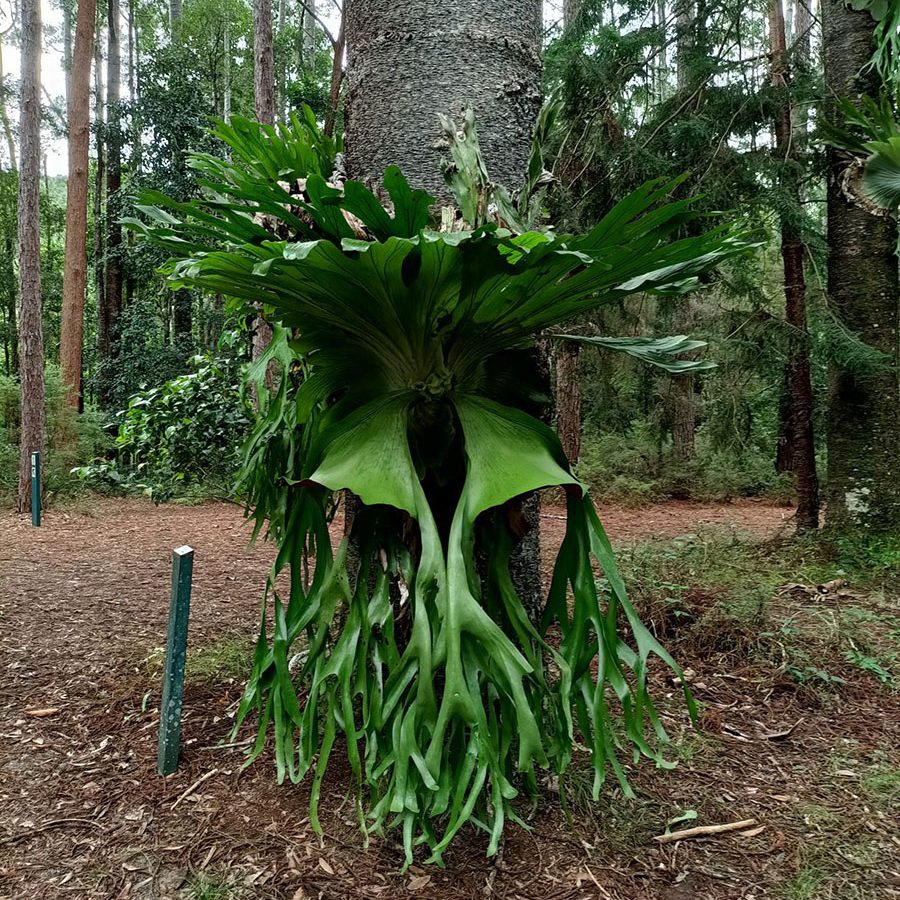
(36, 488)
(176, 649)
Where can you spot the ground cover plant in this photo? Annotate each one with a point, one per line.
(406, 370)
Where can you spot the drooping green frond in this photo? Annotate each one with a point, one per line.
(659, 352)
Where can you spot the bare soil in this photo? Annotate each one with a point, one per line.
(83, 608)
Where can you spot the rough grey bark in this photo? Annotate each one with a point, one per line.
(863, 420)
(31, 339)
(409, 60)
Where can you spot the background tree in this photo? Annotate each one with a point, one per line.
(797, 430)
(75, 277)
(31, 343)
(863, 425)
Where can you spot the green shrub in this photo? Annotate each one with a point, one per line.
(638, 467)
(61, 421)
(183, 434)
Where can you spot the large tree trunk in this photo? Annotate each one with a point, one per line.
(104, 325)
(409, 60)
(31, 339)
(75, 275)
(798, 420)
(113, 294)
(864, 425)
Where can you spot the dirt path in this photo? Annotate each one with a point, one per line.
(83, 604)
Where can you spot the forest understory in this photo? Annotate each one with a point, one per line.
(788, 653)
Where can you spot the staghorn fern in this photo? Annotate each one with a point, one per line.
(411, 389)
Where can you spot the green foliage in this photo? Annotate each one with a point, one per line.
(411, 389)
(184, 432)
(61, 422)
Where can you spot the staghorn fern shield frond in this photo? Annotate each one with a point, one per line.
(412, 390)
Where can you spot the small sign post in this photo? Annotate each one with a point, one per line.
(176, 648)
(36, 488)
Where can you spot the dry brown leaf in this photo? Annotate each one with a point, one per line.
(753, 831)
(42, 713)
(325, 866)
(417, 882)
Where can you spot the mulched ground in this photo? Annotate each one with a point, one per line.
(83, 605)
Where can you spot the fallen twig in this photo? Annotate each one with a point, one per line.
(701, 830)
(48, 826)
(194, 786)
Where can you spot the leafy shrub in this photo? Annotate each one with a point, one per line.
(60, 454)
(184, 433)
(144, 359)
(637, 467)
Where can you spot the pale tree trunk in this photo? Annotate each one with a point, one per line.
(797, 429)
(4, 116)
(226, 75)
(863, 420)
(264, 99)
(75, 273)
(31, 340)
(408, 61)
(174, 15)
(308, 34)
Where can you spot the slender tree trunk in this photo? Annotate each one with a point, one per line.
(4, 116)
(113, 296)
(104, 341)
(404, 68)
(337, 76)
(31, 340)
(174, 15)
(264, 99)
(226, 77)
(571, 12)
(308, 35)
(799, 405)
(567, 396)
(681, 393)
(75, 273)
(863, 420)
(263, 62)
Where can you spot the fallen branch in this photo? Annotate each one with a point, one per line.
(702, 830)
(194, 786)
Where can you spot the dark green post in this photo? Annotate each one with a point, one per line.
(173, 674)
(36, 488)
